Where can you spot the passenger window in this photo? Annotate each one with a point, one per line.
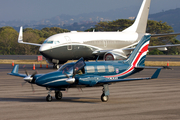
(90, 69)
(101, 68)
(110, 68)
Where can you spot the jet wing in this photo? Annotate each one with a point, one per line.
(153, 47)
(164, 35)
(20, 38)
(99, 52)
(154, 76)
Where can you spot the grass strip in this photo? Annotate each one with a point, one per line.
(147, 63)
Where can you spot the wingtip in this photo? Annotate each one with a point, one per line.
(20, 38)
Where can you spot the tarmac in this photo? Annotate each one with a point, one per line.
(157, 99)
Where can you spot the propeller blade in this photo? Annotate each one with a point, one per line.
(23, 83)
(32, 88)
(26, 71)
(66, 74)
(34, 74)
(74, 73)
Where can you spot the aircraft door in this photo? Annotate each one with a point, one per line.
(68, 40)
(105, 43)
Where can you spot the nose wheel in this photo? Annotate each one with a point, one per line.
(56, 66)
(58, 95)
(49, 98)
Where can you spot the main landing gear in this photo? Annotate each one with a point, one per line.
(58, 96)
(105, 94)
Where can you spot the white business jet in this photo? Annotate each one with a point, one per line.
(59, 48)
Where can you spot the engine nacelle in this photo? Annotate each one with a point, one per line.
(114, 56)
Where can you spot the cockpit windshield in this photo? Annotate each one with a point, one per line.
(51, 42)
(48, 42)
(67, 67)
(77, 67)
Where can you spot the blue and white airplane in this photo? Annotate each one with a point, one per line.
(91, 74)
(59, 48)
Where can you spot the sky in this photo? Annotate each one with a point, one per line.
(44, 9)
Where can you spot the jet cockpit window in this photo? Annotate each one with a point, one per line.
(49, 42)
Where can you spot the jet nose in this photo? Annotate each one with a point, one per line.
(44, 47)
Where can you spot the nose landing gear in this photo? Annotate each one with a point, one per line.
(58, 96)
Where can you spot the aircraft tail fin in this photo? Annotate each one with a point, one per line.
(137, 57)
(15, 69)
(140, 23)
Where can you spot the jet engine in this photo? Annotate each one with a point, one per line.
(114, 55)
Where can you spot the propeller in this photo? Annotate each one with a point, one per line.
(70, 80)
(77, 67)
(29, 78)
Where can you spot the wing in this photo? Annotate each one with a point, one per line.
(164, 35)
(154, 76)
(20, 38)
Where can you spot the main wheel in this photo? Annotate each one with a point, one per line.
(58, 95)
(49, 98)
(104, 98)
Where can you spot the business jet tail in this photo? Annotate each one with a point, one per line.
(20, 38)
(140, 23)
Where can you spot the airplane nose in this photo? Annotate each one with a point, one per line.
(40, 81)
(44, 48)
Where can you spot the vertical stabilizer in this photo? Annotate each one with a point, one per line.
(15, 69)
(140, 23)
(137, 57)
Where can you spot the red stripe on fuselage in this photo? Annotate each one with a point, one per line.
(144, 49)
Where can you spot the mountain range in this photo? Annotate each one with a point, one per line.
(82, 22)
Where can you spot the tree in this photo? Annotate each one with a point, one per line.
(8, 36)
(153, 27)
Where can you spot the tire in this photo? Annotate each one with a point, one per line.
(104, 98)
(58, 95)
(49, 98)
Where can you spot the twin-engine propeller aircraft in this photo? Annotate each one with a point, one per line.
(59, 48)
(91, 74)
